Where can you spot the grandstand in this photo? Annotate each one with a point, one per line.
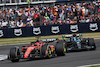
(22, 2)
(26, 14)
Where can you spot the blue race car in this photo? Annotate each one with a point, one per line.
(75, 42)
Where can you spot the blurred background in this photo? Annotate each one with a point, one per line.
(27, 13)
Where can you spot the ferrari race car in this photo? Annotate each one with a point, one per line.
(44, 48)
(75, 42)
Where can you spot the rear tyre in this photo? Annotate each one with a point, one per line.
(60, 48)
(92, 44)
(14, 54)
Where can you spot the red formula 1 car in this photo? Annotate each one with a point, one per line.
(45, 48)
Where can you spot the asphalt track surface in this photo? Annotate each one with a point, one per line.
(72, 59)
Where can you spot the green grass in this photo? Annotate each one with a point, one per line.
(6, 41)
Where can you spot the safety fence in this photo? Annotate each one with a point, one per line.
(50, 30)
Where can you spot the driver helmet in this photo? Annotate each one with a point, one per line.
(74, 35)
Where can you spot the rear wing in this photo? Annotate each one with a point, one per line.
(69, 36)
(49, 40)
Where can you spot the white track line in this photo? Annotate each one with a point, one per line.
(3, 57)
(15, 44)
(89, 65)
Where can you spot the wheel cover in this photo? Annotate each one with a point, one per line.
(49, 51)
(64, 49)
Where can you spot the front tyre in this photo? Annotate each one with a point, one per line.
(14, 54)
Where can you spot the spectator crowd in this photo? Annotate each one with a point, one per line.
(83, 12)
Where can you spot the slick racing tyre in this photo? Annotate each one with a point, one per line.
(60, 48)
(14, 54)
(92, 44)
(46, 51)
